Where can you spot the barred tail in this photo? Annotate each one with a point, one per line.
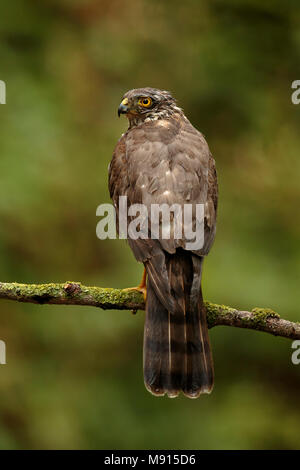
(177, 355)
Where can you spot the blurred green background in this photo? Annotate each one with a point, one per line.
(73, 377)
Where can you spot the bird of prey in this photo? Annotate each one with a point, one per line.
(163, 159)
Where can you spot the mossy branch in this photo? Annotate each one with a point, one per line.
(74, 293)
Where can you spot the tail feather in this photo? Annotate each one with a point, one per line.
(177, 356)
(200, 375)
(156, 344)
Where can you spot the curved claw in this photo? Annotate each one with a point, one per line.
(142, 287)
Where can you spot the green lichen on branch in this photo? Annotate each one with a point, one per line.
(262, 314)
(222, 314)
(215, 312)
(74, 293)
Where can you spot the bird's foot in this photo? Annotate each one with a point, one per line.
(142, 287)
(142, 290)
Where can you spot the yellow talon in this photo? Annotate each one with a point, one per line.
(142, 287)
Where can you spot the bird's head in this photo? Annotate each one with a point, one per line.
(142, 104)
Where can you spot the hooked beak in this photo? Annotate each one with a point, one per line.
(123, 108)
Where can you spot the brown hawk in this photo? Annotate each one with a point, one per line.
(161, 159)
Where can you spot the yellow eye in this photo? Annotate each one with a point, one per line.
(145, 102)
